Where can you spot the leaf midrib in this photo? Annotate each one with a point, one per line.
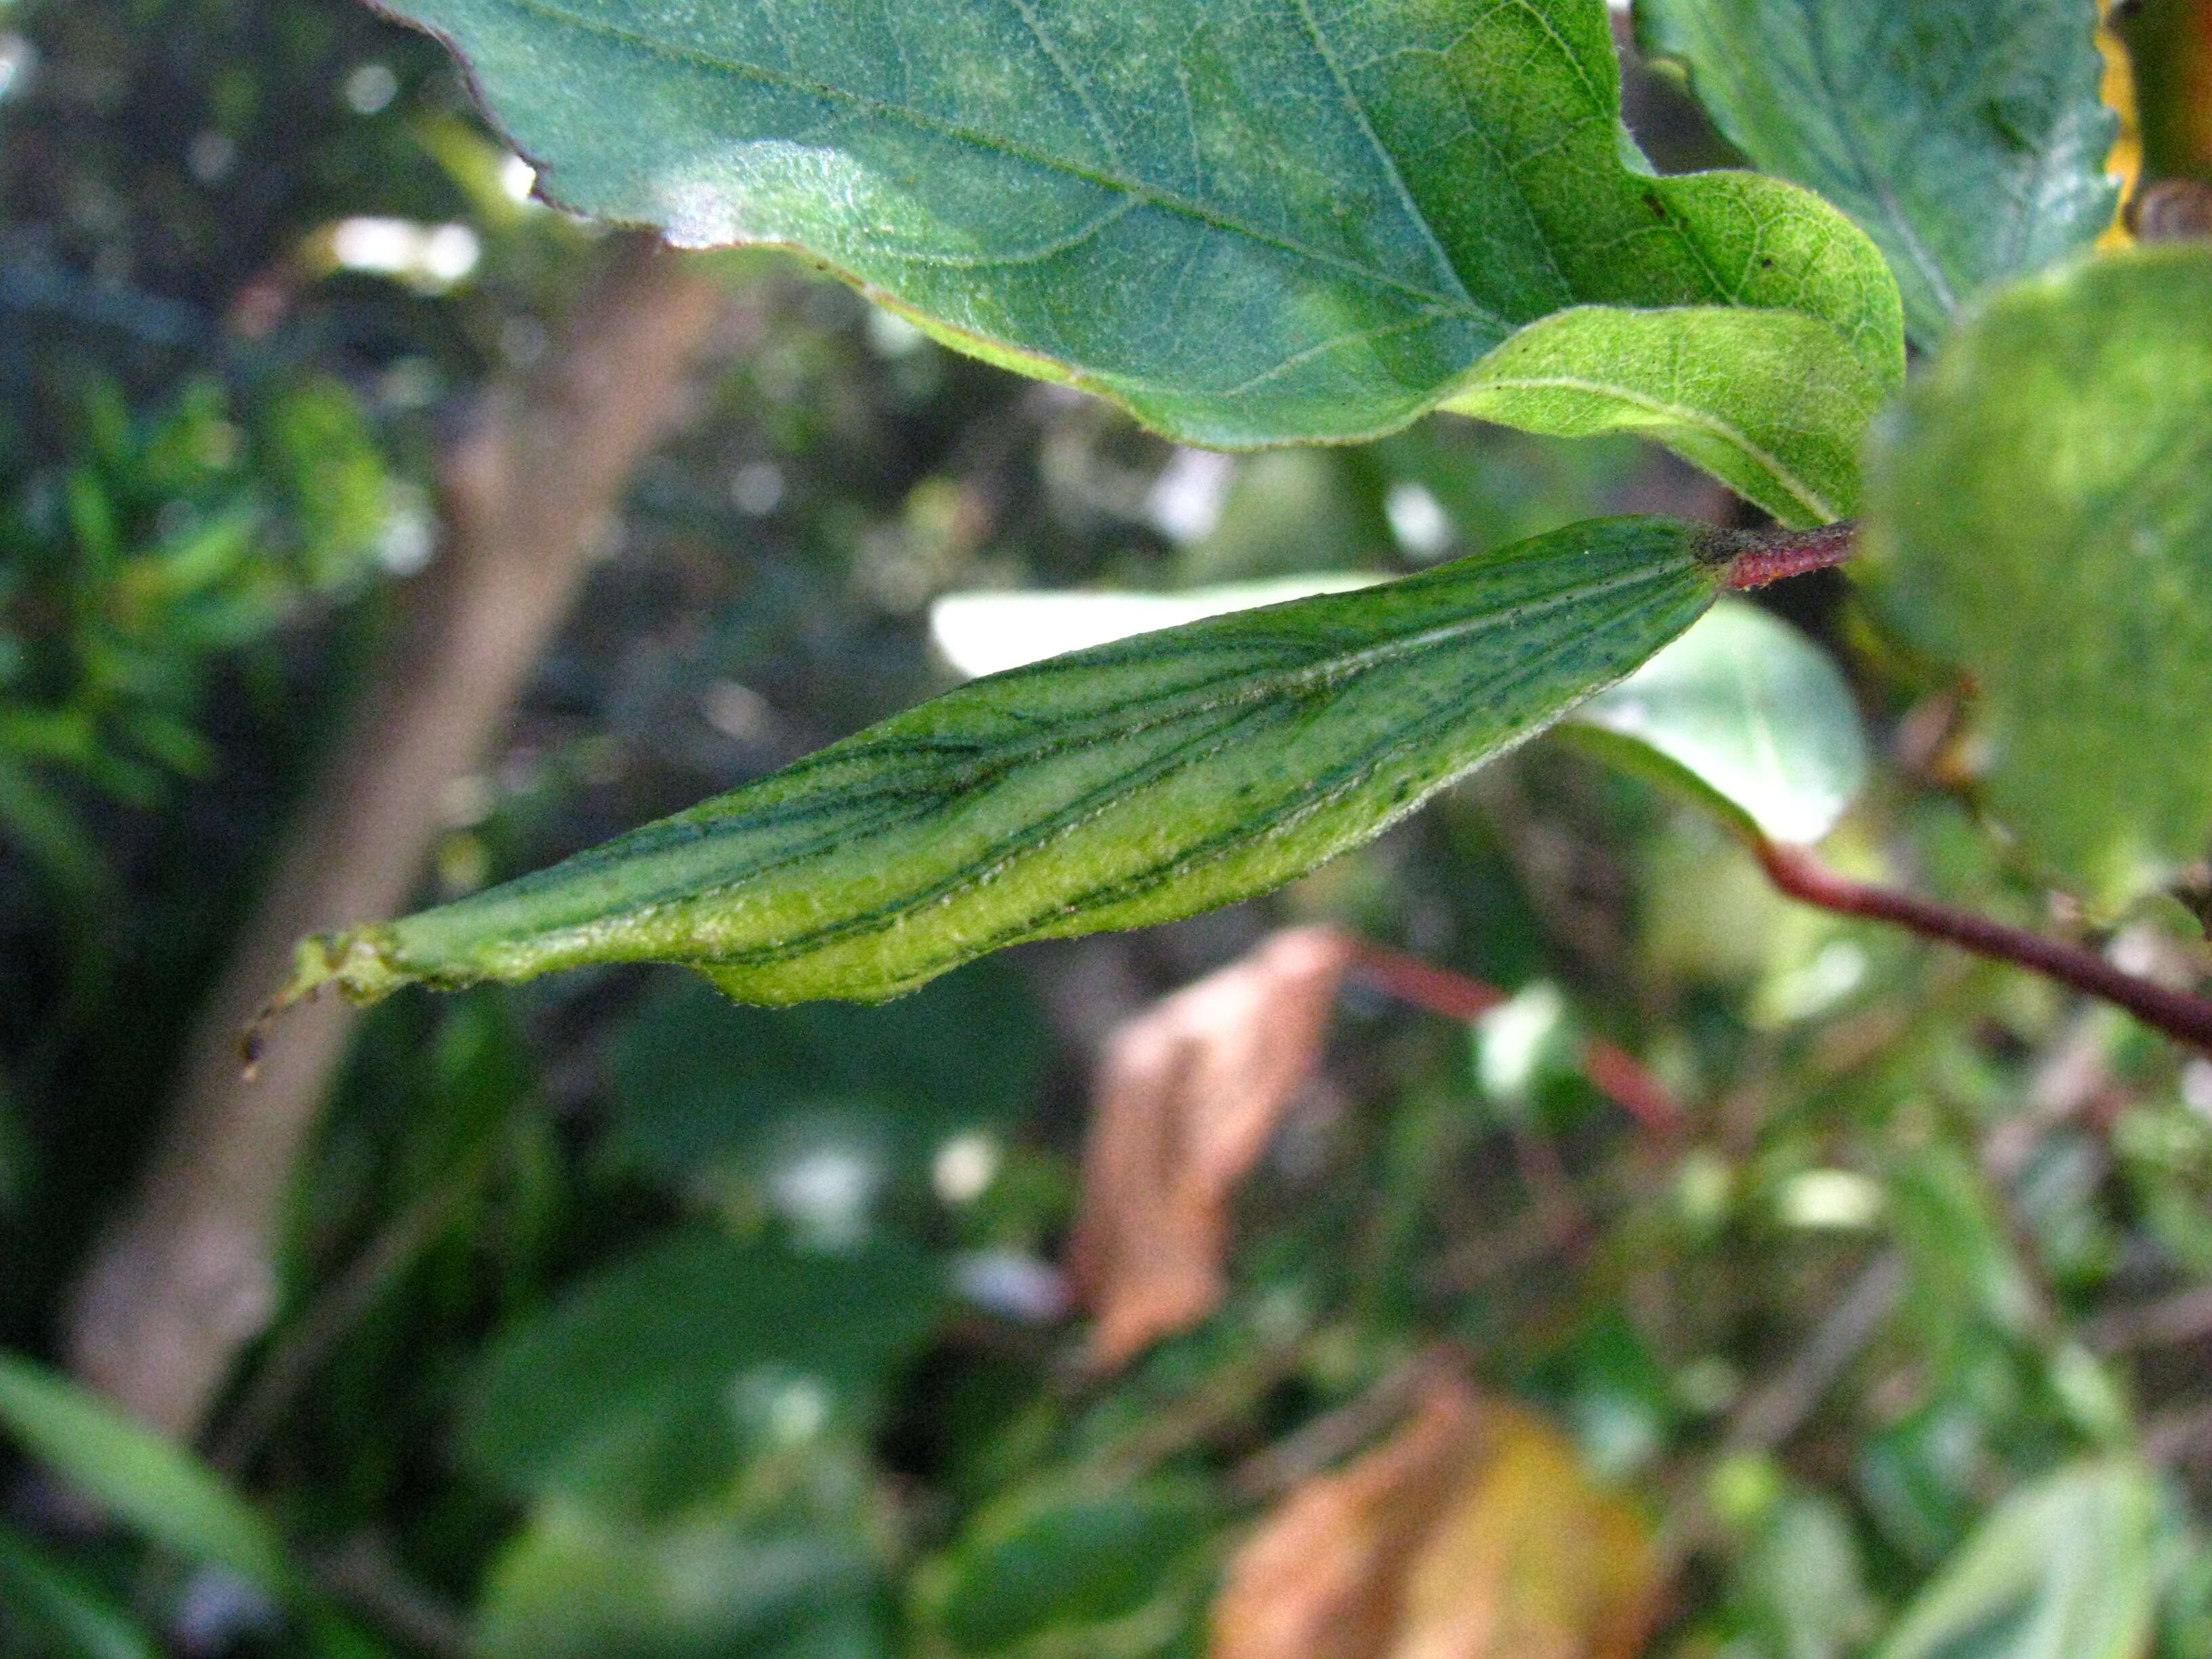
(1461, 304)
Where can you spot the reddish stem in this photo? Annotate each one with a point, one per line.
(1456, 996)
(1757, 557)
(2186, 1018)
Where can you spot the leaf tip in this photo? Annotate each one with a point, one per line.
(358, 962)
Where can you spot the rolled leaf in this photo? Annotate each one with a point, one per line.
(1132, 783)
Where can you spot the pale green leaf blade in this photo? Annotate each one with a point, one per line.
(1966, 138)
(1752, 710)
(1130, 784)
(1288, 220)
(137, 1476)
(2062, 1568)
(2041, 519)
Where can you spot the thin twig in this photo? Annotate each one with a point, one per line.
(1613, 1069)
(2186, 1018)
(1776, 1411)
(300, 1351)
(1757, 557)
(1334, 1435)
(2168, 1322)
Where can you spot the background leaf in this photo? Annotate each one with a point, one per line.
(1473, 1530)
(722, 1346)
(1131, 784)
(1755, 713)
(1065, 1559)
(707, 1088)
(137, 1476)
(2060, 1570)
(73, 1619)
(580, 1585)
(1968, 140)
(2042, 520)
(1304, 219)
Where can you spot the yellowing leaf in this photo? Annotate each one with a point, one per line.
(1187, 1094)
(1473, 1533)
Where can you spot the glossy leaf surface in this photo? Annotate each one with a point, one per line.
(2042, 521)
(1131, 784)
(1295, 219)
(1967, 139)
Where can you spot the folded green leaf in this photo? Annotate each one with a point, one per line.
(1755, 397)
(1288, 220)
(1966, 138)
(2041, 519)
(1129, 784)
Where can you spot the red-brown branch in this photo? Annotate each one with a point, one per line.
(2185, 1017)
(1757, 557)
(1613, 1069)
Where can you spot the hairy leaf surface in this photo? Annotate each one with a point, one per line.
(1272, 220)
(2042, 520)
(1743, 710)
(1129, 784)
(1966, 138)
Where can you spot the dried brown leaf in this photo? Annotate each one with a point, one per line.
(1471, 1534)
(1187, 1094)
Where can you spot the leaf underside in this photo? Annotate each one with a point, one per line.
(1967, 139)
(1272, 222)
(2042, 521)
(1129, 784)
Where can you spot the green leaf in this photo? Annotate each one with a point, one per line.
(1066, 1559)
(2061, 1570)
(579, 1585)
(1288, 220)
(1753, 396)
(2042, 519)
(1754, 712)
(648, 1382)
(1967, 139)
(73, 1619)
(1743, 710)
(136, 1476)
(701, 1084)
(1134, 783)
